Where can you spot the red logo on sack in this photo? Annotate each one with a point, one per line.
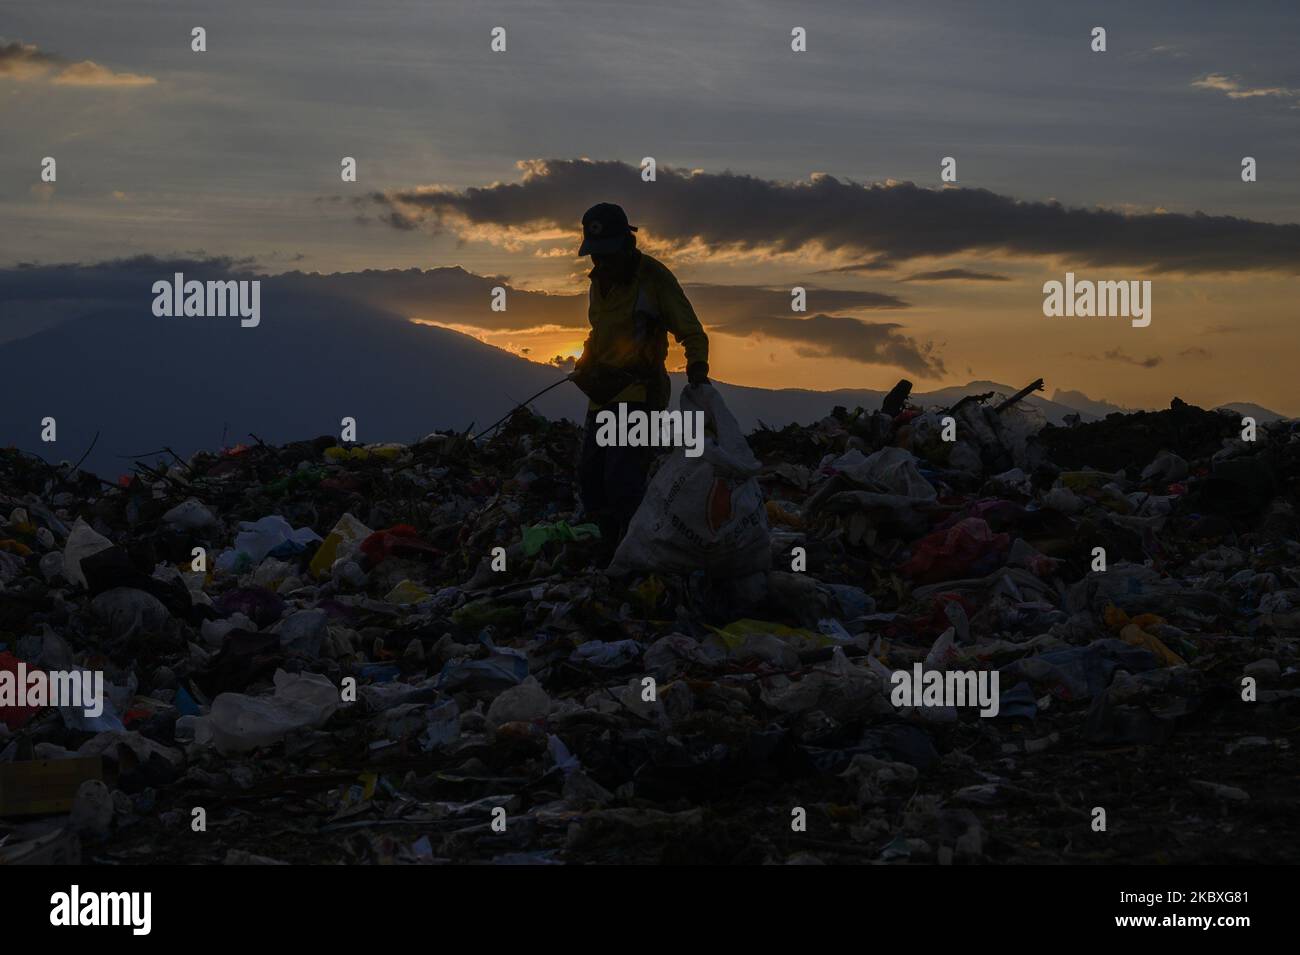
(719, 505)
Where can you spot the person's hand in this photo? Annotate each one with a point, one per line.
(580, 366)
(697, 373)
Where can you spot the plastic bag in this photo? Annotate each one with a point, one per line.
(190, 515)
(238, 722)
(1020, 422)
(400, 540)
(83, 542)
(343, 541)
(537, 536)
(894, 469)
(703, 513)
(272, 536)
(966, 549)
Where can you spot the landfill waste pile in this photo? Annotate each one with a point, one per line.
(334, 653)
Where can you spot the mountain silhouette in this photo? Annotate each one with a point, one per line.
(143, 382)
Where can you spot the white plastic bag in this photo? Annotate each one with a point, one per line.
(83, 542)
(893, 468)
(704, 513)
(257, 539)
(238, 723)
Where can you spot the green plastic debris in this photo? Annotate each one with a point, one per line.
(484, 613)
(537, 536)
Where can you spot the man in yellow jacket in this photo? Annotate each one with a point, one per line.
(635, 301)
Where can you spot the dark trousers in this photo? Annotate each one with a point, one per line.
(612, 480)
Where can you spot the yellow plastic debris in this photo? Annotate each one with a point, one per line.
(776, 514)
(15, 547)
(407, 592)
(1080, 481)
(338, 454)
(734, 634)
(348, 531)
(1137, 637)
(1115, 618)
(388, 452)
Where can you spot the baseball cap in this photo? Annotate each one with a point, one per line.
(604, 229)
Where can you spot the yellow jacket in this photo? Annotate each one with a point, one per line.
(630, 325)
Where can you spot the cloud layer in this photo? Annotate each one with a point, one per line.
(955, 275)
(1233, 88)
(829, 336)
(25, 62)
(1118, 354)
(886, 222)
(455, 297)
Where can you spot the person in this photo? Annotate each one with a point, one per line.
(634, 301)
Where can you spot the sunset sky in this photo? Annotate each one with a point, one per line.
(775, 169)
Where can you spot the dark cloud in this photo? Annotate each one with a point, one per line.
(35, 297)
(1118, 354)
(25, 62)
(725, 302)
(455, 296)
(1196, 351)
(110, 279)
(956, 275)
(397, 221)
(450, 296)
(901, 221)
(829, 336)
(880, 263)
